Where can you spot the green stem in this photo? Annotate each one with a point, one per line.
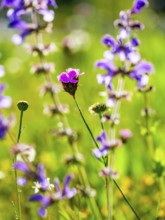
(126, 200)
(18, 213)
(101, 123)
(109, 193)
(86, 124)
(20, 126)
(18, 192)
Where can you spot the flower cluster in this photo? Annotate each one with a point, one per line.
(60, 194)
(43, 189)
(20, 9)
(106, 145)
(122, 57)
(5, 102)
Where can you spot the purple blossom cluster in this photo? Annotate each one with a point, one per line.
(122, 57)
(19, 11)
(44, 192)
(5, 102)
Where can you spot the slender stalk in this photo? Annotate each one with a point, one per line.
(109, 193)
(20, 126)
(110, 159)
(101, 123)
(86, 124)
(126, 200)
(18, 191)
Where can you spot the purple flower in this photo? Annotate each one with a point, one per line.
(111, 72)
(12, 3)
(52, 3)
(125, 51)
(4, 124)
(140, 73)
(106, 145)
(41, 177)
(19, 165)
(60, 194)
(5, 101)
(45, 201)
(109, 41)
(69, 80)
(138, 5)
(37, 175)
(19, 9)
(105, 79)
(66, 192)
(70, 76)
(2, 71)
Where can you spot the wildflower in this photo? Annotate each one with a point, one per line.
(60, 194)
(138, 5)
(36, 174)
(5, 101)
(76, 159)
(51, 88)
(123, 50)
(19, 8)
(71, 135)
(70, 80)
(140, 73)
(2, 71)
(24, 150)
(106, 145)
(53, 110)
(4, 124)
(107, 171)
(42, 68)
(125, 134)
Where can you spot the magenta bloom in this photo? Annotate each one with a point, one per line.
(71, 75)
(69, 80)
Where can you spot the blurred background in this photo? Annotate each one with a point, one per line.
(77, 32)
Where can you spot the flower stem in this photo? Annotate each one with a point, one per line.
(126, 200)
(86, 124)
(22, 106)
(109, 193)
(20, 126)
(18, 191)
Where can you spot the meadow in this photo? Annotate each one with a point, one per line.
(77, 31)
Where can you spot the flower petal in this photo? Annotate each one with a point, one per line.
(63, 77)
(21, 166)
